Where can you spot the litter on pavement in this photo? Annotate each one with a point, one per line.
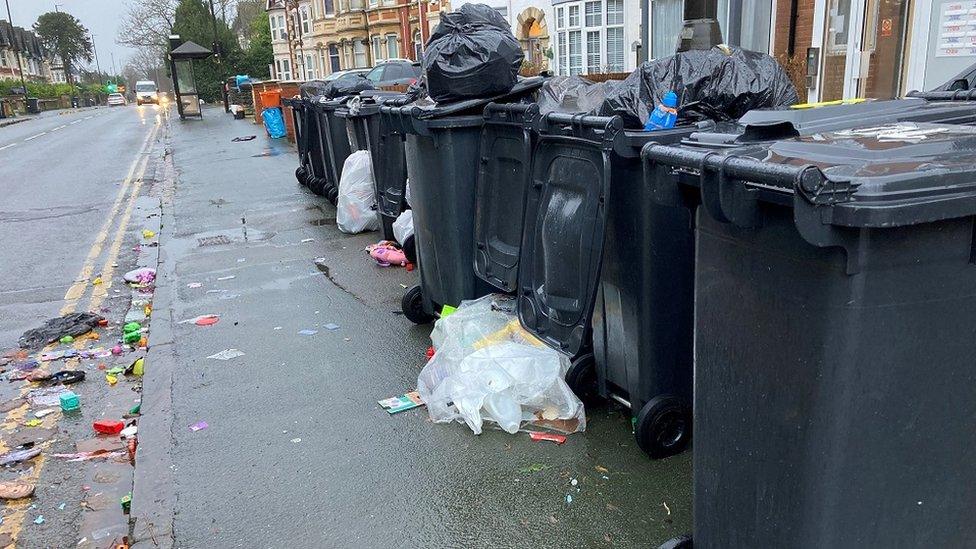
(199, 426)
(72, 324)
(227, 354)
(402, 403)
(487, 367)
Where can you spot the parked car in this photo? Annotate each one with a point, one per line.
(116, 100)
(394, 72)
(346, 74)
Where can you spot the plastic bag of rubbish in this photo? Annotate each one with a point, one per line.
(356, 204)
(722, 83)
(274, 122)
(573, 94)
(488, 368)
(350, 84)
(313, 88)
(472, 53)
(403, 226)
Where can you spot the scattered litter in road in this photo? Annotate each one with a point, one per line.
(241, 259)
(307, 332)
(194, 285)
(534, 468)
(147, 234)
(87, 456)
(108, 426)
(16, 489)
(129, 431)
(306, 240)
(69, 401)
(39, 519)
(331, 327)
(67, 377)
(61, 507)
(227, 354)
(33, 422)
(569, 499)
(551, 437)
(296, 440)
(72, 324)
(276, 328)
(199, 426)
(46, 398)
(42, 413)
(19, 455)
(228, 277)
(402, 403)
(142, 275)
(602, 469)
(97, 281)
(243, 138)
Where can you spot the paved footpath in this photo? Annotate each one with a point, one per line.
(296, 451)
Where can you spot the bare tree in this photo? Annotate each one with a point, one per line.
(145, 63)
(147, 24)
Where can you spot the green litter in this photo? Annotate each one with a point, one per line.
(447, 311)
(66, 339)
(131, 327)
(135, 409)
(534, 468)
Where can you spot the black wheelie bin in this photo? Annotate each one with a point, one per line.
(442, 144)
(603, 267)
(334, 143)
(835, 336)
(311, 170)
(369, 131)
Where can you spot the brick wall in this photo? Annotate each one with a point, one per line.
(795, 66)
(288, 89)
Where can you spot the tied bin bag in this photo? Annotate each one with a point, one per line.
(471, 54)
(720, 84)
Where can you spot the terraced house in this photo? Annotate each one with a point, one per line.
(36, 61)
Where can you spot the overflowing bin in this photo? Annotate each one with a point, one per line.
(441, 147)
(369, 131)
(834, 324)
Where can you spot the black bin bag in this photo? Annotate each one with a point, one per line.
(312, 88)
(471, 54)
(573, 94)
(722, 83)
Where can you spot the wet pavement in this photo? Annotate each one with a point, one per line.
(296, 450)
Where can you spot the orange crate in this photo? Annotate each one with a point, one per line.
(271, 99)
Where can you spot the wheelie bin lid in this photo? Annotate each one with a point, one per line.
(369, 102)
(889, 175)
(426, 111)
(773, 124)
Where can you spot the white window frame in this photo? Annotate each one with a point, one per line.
(569, 21)
(376, 43)
(598, 13)
(575, 69)
(309, 66)
(616, 24)
(359, 54)
(273, 20)
(418, 45)
(560, 17)
(593, 65)
(303, 16)
(394, 41)
(337, 56)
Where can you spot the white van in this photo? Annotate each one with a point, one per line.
(146, 92)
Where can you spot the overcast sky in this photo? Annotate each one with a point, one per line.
(100, 16)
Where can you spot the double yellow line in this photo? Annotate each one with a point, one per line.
(16, 511)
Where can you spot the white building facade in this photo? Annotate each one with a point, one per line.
(595, 36)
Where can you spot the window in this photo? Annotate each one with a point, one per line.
(594, 15)
(3, 59)
(574, 20)
(418, 47)
(377, 48)
(277, 73)
(356, 5)
(392, 47)
(615, 12)
(503, 10)
(615, 49)
(309, 67)
(334, 64)
(274, 27)
(303, 15)
(575, 52)
(563, 60)
(359, 54)
(329, 7)
(282, 30)
(389, 2)
(593, 52)
(376, 75)
(560, 18)
(323, 65)
(374, 3)
(667, 19)
(285, 69)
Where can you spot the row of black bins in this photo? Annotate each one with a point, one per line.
(326, 133)
(813, 289)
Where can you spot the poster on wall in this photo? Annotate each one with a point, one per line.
(957, 29)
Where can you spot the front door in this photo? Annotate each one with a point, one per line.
(864, 48)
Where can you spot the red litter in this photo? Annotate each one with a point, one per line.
(206, 320)
(108, 426)
(539, 437)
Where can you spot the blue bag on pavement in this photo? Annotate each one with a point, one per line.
(274, 122)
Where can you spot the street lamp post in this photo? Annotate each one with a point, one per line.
(20, 64)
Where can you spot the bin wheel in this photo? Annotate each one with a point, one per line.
(680, 542)
(333, 195)
(413, 307)
(581, 378)
(316, 185)
(663, 427)
(409, 248)
(301, 175)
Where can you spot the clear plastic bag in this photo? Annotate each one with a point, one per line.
(356, 204)
(403, 226)
(488, 368)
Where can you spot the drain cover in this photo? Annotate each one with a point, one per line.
(213, 240)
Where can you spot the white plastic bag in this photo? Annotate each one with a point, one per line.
(406, 193)
(356, 205)
(403, 226)
(488, 368)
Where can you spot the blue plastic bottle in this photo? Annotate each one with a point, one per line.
(664, 115)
